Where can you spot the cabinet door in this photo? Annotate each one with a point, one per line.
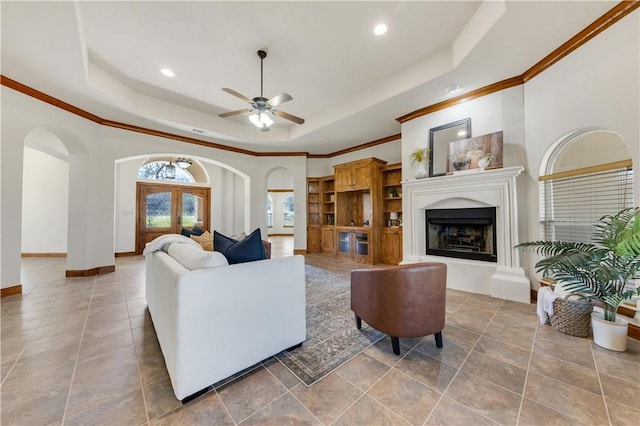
(328, 240)
(391, 246)
(344, 243)
(314, 240)
(361, 249)
(342, 178)
(361, 176)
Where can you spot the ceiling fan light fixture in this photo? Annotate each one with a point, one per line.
(261, 120)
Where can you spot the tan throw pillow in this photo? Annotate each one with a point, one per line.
(205, 240)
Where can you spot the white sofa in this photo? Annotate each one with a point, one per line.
(217, 321)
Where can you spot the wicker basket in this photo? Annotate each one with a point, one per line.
(572, 317)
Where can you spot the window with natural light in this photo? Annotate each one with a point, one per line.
(157, 170)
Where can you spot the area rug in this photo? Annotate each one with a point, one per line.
(332, 336)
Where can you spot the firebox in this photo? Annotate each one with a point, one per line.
(462, 233)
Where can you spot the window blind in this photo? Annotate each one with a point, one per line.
(571, 203)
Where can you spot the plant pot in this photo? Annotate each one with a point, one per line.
(608, 334)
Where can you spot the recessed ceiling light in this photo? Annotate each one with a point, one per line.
(167, 72)
(452, 88)
(380, 29)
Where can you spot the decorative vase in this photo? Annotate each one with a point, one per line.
(421, 170)
(608, 334)
(484, 162)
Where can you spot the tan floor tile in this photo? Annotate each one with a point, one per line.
(580, 355)
(206, 410)
(124, 410)
(486, 398)
(328, 398)
(286, 410)
(512, 333)
(551, 335)
(450, 412)
(367, 411)
(566, 372)
(409, 398)
(467, 321)
(618, 364)
(534, 414)
(451, 354)
(363, 371)
(287, 378)
(43, 410)
(620, 390)
(427, 370)
(383, 352)
(579, 404)
(249, 393)
(503, 351)
(160, 398)
(499, 372)
(623, 415)
(101, 344)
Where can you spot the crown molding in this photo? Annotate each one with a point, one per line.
(615, 14)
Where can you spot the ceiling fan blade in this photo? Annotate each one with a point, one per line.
(288, 116)
(230, 113)
(238, 95)
(279, 99)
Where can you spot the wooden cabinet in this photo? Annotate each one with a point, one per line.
(328, 201)
(314, 231)
(391, 246)
(391, 230)
(354, 243)
(328, 239)
(357, 174)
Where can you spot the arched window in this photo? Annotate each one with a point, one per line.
(587, 175)
(157, 170)
(269, 211)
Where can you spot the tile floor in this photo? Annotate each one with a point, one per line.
(83, 351)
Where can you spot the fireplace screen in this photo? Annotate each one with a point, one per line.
(462, 233)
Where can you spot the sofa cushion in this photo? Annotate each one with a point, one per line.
(246, 250)
(205, 240)
(194, 231)
(194, 257)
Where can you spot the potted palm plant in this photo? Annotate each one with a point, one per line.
(599, 271)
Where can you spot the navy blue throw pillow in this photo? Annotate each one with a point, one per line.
(247, 250)
(197, 231)
(186, 232)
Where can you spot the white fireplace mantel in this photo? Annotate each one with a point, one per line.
(490, 188)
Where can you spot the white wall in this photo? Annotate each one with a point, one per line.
(93, 152)
(595, 86)
(44, 203)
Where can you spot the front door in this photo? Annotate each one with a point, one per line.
(166, 209)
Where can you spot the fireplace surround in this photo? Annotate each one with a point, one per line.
(495, 189)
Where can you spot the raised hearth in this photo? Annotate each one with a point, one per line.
(495, 189)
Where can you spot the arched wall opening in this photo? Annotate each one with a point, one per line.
(229, 201)
(45, 195)
(281, 209)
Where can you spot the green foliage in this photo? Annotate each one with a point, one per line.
(419, 155)
(599, 271)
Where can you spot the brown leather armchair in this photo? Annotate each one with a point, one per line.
(401, 301)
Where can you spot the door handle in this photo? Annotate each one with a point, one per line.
(179, 220)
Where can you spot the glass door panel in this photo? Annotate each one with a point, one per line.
(344, 242)
(192, 210)
(362, 244)
(158, 210)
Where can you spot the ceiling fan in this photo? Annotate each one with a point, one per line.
(261, 106)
